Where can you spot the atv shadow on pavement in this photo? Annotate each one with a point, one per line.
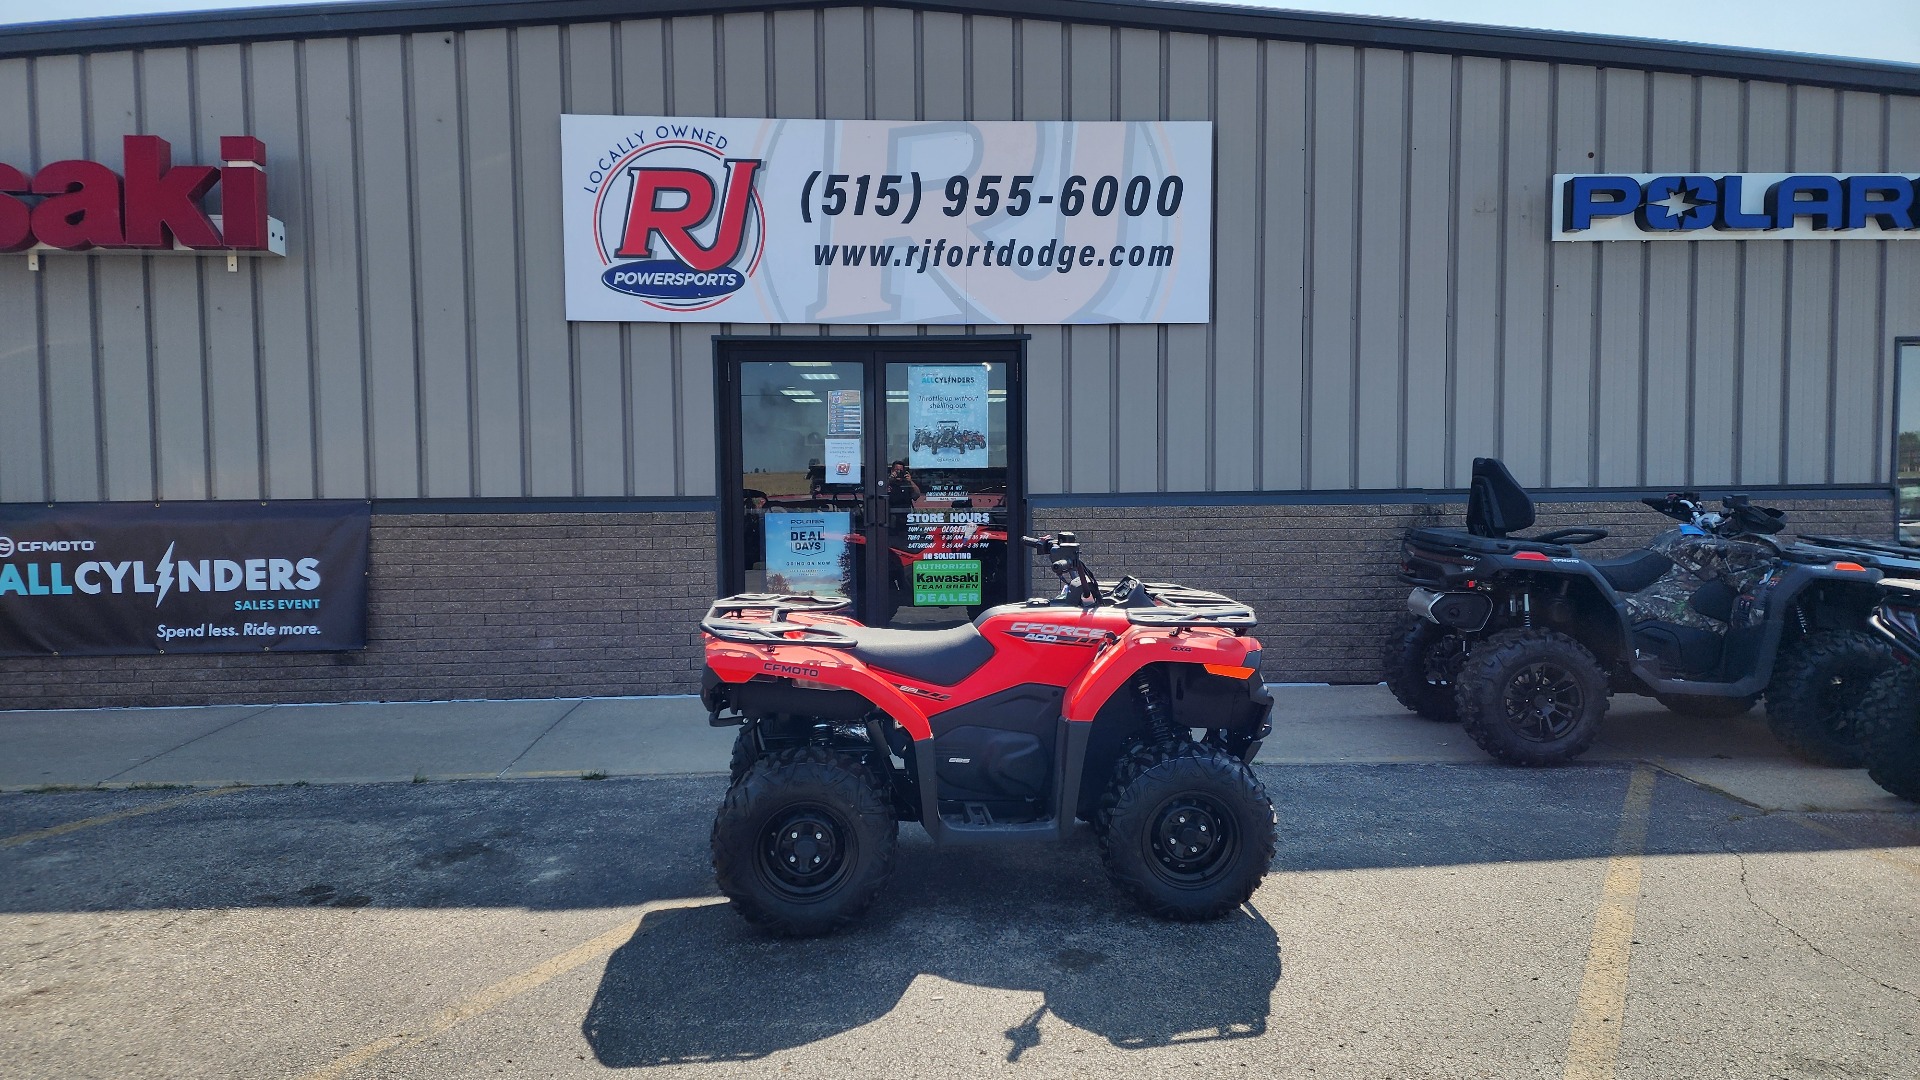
(699, 984)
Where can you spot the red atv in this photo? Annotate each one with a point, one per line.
(1006, 728)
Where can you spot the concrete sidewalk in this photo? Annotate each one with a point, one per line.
(469, 740)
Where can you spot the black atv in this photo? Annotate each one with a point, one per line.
(1527, 640)
(1889, 716)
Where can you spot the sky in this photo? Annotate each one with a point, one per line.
(1869, 29)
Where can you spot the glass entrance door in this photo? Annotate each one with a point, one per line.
(887, 472)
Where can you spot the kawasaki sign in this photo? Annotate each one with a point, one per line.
(117, 578)
(1735, 206)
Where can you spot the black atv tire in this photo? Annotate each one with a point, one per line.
(1531, 697)
(746, 751)
(1889, 721)
(1408, 662)
(1817, 685)
(1702, 707)
(793, 792)
(1192, 795)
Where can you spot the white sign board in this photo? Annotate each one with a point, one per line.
(686, 219)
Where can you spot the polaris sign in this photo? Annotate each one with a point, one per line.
(1735, 206)
(116, 578)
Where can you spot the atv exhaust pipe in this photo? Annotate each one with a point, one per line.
(1464, 611)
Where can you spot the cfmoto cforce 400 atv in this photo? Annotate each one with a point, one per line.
(1525, 640)
(1135, 706)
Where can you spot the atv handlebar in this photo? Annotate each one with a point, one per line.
(1074, 576)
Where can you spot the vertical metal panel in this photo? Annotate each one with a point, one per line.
(1669, 311)
(544, 376)
(1572, 273)
(1429, 224)
(1810, 315)
(1332, 281)
(120, 294)
(992, 71)
(1713, 398)
(287, 404)
(1619, 434)
(1855, 456)
(1379, 446)
(494, 258)
(795, 65)
(1527, 165)
(173, 291)
(436, 84)
(693, 343)
(328, 231)
(599, 405)
(387, 274)
(743, 65)
(233, 378)
(73, 428)
(1042, 96)
(1234, 372)
(1476, 246)
(1091, 449)
(1283, 211)
(944, 96)
(845, 62)
(1136, 370)
(1763, 304)
(23, 457)
(1186, 452)
(894, 75)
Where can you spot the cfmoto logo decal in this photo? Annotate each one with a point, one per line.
(6, 547)
(677, 223)
(798, 670)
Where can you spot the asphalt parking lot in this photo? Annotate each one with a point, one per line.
(1422, 920)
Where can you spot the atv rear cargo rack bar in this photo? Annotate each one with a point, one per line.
(1854, 543)
(725, 620)
(1180, 606)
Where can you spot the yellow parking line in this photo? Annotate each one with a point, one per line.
(106, 819)
(1594, 1044)
(503, 991)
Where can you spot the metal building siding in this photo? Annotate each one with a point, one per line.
(1387, 305)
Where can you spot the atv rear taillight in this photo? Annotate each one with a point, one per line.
(1531, 556)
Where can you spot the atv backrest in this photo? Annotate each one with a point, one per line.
(1496, 503)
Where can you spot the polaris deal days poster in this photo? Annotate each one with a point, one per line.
(693, 219)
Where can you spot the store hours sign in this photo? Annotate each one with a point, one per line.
(684, 219)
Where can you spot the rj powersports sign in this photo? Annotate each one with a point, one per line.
(1735, 206)
(114, 578)
(680, 219)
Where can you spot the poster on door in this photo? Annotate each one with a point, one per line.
(842, 460)
(947, 415)
(809, 554)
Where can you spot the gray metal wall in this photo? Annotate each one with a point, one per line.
(1387, 304)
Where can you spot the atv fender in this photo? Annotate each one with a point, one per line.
(1141, 646)
(829, 669)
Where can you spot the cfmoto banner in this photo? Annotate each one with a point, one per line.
(682, 219)
(106, 579)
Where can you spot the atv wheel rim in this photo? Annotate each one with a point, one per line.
(1191, 842)
(1543, 702)
(804, 853)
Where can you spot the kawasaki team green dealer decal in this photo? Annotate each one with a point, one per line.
(942, 582)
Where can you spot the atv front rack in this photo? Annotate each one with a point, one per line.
(1180, 606)
(726, 620)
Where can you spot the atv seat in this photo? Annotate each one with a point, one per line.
(1631, 573)
(942, 657)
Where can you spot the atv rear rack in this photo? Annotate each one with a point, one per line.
(1180, 606)
(724, 620)
(1857, 544)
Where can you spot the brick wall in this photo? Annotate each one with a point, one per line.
(459, 606)
(1322, 577)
